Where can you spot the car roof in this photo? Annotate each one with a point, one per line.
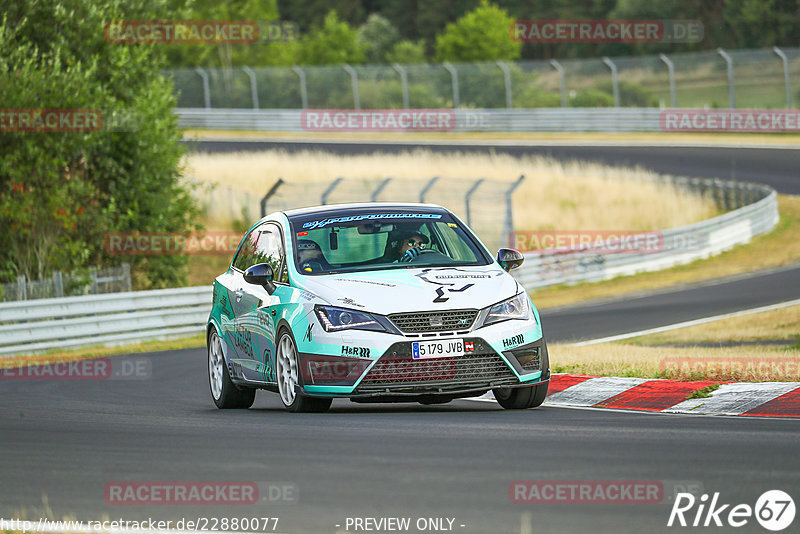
(365, 207)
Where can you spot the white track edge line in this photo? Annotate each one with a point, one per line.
(685, 324)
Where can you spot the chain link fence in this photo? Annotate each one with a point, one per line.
(765, 78)
(485, 205)
(93, 282)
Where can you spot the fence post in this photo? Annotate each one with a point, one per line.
(786, 81)
(22, 287)
(506, 80)
(58, 282)
(253, 85)
(403, 82)
(673, 100)
(272, 191)
(467, 198)
(454, 80)
(324, 198)
(562, 81)
(508, 226)
(374, 196)
(354, 82)
(427, 188)
(614, 82)
(206, 88)
(303, 91)
(731, 91)
(126, 276)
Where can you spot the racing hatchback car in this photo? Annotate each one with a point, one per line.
(372, 302)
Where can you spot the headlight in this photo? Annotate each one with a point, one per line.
(514, 308)
(335, 319)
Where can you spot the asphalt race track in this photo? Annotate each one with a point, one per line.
(61, 442)
(64, 441)
(777, 167)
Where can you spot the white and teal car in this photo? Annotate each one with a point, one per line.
(372, 302)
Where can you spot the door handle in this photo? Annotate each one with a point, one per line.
(238, 294)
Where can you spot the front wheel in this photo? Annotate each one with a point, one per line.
(224, 392)
(521, 398)
(288, 374)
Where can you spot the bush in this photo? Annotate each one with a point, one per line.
(61, 192)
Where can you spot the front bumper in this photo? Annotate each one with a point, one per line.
(396, 375)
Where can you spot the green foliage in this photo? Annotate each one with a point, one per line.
(61, 192)
(377, 36)
(335, 43)
(592, 98)
(481, 35)
(408, 52)
(630, 94)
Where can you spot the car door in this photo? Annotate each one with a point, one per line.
(254, 334)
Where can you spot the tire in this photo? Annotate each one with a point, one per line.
(287, 371)
(521, 398)
(226, 394)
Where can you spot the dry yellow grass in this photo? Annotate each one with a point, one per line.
(778, 248)
(783, 323)
(555, 195)
(750, 363)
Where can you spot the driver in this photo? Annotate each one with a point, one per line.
(310, 257)
(409, 245)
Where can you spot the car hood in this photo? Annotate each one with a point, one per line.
(423, 289)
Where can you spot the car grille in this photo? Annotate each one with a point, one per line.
(445, 321)
(470, 369)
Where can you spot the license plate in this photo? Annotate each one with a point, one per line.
(437, 349)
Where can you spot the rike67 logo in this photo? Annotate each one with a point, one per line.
(774, 510)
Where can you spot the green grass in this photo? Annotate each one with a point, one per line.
(703, 393)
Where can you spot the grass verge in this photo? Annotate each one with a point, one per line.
(99, 352)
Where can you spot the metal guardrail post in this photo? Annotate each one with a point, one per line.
(427, 188)
(403, 82)
(562, 81)
(327, 192)
(786, 81)
(374, 196)
(206, 88)
(508, 226)
(731, 91)
(614, 81)
(673, 100)
(454, 81)
(270, 193)
(253, 85)
(303, 90)
(468, 197)
(506, 81)
(354, 82)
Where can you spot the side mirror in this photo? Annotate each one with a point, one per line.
(261, 274)
(508, 258)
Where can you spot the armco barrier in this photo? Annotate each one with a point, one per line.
(466, 120)
(756, 213)
(112, 318)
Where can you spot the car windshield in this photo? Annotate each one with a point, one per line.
(351, 241)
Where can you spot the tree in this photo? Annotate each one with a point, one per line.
(481, 35)
(409, 52)
(62, 192)
(377, 36)
(335, 43)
